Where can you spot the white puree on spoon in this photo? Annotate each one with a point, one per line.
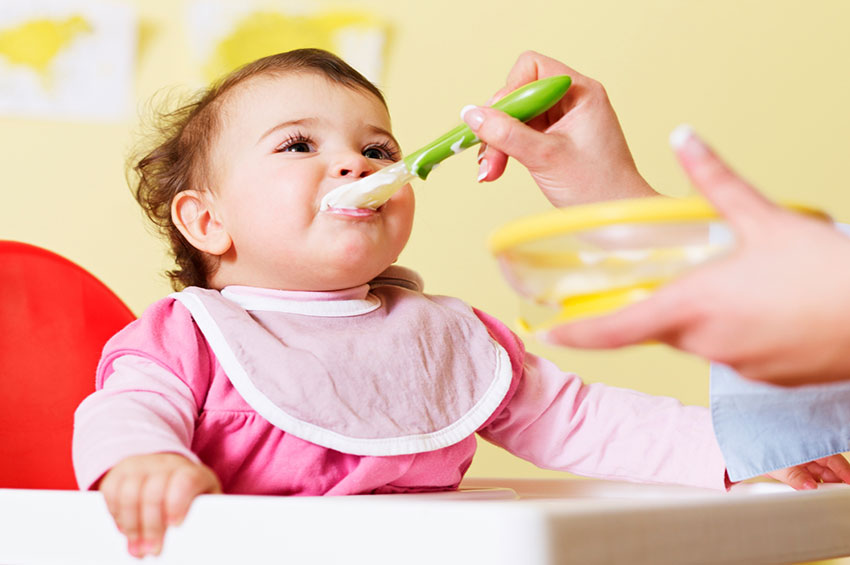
(369, 192)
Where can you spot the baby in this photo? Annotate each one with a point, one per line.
(297, 361)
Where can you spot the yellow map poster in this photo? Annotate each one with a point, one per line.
(66, 60)
(226, 35)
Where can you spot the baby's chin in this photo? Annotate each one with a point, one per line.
(358, 275)
(346, 258)
(344, 275)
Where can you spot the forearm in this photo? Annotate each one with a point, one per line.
(141, 409)
(558, 422)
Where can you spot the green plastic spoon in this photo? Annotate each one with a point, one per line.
(524, 103)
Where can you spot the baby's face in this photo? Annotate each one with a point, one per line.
(284, 143)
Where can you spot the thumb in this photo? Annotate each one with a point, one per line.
(507, 134)
(743, 206)
(658, 317)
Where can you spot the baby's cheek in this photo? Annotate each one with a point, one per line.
(404, 203)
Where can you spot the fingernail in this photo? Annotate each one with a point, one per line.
(483, 169)
(544, 336)
(481, 152)
(810, 485)
(680, 135)
(472, 116)
(684, 138)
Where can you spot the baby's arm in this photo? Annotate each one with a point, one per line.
(136, 434)
(556, 421)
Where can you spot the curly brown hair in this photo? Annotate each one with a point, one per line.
(183, 138)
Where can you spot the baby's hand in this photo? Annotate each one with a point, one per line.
(832, 469)
(147, 493)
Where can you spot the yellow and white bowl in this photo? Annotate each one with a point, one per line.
(592, 259)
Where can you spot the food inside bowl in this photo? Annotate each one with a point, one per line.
(592, 259)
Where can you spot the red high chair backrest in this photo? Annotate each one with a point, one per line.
(55, 318)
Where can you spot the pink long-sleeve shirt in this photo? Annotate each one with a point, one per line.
(161, 388)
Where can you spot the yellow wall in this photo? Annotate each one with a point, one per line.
(765, 81)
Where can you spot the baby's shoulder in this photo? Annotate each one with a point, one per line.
(166, 320)
(165, 333)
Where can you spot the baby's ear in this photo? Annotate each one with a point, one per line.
(193, 213)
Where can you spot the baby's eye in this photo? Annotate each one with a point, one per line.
(381, 153)
(300, 147)
(297, 143)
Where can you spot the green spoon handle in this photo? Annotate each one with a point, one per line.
(524, 103)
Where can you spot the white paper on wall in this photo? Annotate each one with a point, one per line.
(66, 59)
(225, 35)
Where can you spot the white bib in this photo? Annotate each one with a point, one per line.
(390, 372)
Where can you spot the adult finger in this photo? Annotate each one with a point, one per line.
(658, 317)
(491, 163)
(508, 135)
(531, 66)
(742, 206)
(527, 68)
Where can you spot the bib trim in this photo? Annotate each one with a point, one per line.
(465, 426)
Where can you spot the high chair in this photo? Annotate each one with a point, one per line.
(54, 320)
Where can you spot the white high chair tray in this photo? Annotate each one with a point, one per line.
(491, 521)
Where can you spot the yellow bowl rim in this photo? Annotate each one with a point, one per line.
(598, 214)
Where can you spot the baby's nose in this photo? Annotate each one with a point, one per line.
(355, 166)
(353, 173)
